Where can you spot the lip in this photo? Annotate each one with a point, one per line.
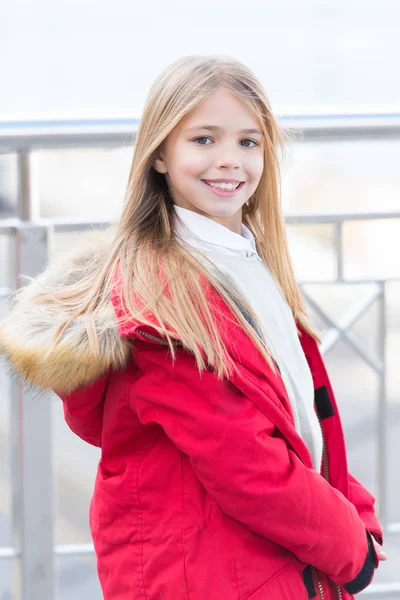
(222, 180)
(223, 193)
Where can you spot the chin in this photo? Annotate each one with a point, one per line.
(224, 212)
(220, 208)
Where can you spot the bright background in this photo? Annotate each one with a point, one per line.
(98, 59)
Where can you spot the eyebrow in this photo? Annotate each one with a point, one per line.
(216, 128)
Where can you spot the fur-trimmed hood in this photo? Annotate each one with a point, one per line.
(26, 334)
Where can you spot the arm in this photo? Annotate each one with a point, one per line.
(83, 410)
(249, 470)
(364, 503)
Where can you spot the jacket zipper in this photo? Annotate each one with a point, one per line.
(157, 339)
(325, 465)
(325, 471)
(319, 584)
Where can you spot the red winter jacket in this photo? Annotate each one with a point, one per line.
(205, 491)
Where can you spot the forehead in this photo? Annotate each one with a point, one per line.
(221, 109)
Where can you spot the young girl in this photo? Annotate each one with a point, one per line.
(181, 346)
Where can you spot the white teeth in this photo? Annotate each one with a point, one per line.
(225, 186)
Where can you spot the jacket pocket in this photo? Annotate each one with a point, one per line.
(286, 584)
(113, 515)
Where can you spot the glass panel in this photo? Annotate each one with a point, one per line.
(64, 242)
(6, 566)
(5, 462)
(342, 176)
(355, 387)
(82, 183)
(336, 301)
(393, 387)
(74, 468)
(77, 578)
(349, 177)
(313, 252)
(74, 461)
(8, 185)
(388, 572)
(356, 384)
(5, 412)
(373, 249)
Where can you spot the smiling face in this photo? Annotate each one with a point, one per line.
(218, 142)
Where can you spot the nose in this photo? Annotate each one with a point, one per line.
(228, 159)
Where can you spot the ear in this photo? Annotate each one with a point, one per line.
(158, 162)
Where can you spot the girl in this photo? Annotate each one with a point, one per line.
(180, 345)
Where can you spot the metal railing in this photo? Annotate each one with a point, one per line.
(32, 486)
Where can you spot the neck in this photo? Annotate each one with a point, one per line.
(232, 222)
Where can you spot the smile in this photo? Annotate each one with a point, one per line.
(223, 189)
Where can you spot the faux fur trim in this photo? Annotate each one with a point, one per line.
(26, 334)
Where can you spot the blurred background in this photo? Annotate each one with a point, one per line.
(73, 81)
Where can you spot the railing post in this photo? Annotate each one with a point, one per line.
(28, 202)
(382, 412)
(32, 480)
(339, 250)
(31, 457)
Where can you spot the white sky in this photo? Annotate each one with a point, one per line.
(94, 57)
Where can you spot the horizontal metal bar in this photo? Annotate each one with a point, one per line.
(5, 292)
(350, 123)
(75, 226)
(381, 588)
(335, 218)
(38, 134)
(346, 281)
(346, 124)
(66, 224)
(393, 528)
(73, 549)
(59, 550)
(9, 226)
(6, 552)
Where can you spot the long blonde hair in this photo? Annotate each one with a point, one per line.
(145, 240)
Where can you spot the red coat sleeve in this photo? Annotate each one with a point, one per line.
(364, 502)
(83, 410)
(249, 471)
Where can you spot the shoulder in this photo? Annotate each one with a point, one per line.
(27, 335)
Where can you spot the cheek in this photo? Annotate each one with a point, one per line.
(255, 168)
(188, 162)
